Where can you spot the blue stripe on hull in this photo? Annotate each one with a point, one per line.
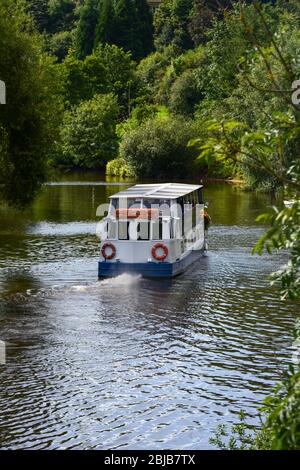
(151, 269)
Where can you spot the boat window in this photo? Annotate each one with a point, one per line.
(157, 229)
(123, 230)
(143, 230)
(134, 203)
(112, 229)
(151, 203)
(124, 203)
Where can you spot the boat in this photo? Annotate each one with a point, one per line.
(156, 230)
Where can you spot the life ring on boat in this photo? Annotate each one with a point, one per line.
(112, 248)
(158, 246)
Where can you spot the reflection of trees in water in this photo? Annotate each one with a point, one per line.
(232, 205)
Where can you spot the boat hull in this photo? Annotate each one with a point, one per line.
(153, 269)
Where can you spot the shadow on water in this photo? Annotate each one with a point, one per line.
(131, 362)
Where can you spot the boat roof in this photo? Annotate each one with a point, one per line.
(157, 191)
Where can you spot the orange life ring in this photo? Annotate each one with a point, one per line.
(163, 255)
(112, 248)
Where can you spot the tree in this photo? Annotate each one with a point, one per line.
(159, 147)
(202, 16)
(108, 70)
(62, 15)
(126, 25)
(171, 24)
(85, 33)
(40, 12)
(144, 27)
(106, 30)
(88, 135)
(184, 94)
(31, 116)
(59, 44)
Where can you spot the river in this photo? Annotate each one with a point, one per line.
(130, 363)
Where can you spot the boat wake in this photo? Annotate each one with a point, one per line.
(122, 281)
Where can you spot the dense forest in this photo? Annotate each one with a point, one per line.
(113, 85)
(194, 87)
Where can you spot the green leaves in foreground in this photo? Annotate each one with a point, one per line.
(284, 233)
(266, 151)
(280, 428)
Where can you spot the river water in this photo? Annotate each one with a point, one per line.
(130, 363)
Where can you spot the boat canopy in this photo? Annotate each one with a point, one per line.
(157, 191)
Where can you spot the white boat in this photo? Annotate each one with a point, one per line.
(156, 230)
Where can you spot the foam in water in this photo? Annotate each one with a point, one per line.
(125, 280)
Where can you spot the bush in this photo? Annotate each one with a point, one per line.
(184, 94)
(139, 115)
(119, 167)
(159, 147)
(88, 135)
(282, 425)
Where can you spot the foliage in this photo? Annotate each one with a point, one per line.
(239, 437)
(108, 70)
(139, 115)
(105, 30)
(159, 147)
(119, 167)
(280, 428)
(63, 15)
(184, 94)
(284, 234)
(134, 27)
(171, 21)
(151, 69)
(125, 23)
(202, 16)
(85, 33)
(267, 146)
(33, 110)
(39, 10)
(282, 425)
(88, 134)
(59, 44)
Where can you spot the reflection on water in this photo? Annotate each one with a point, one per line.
(132, 363)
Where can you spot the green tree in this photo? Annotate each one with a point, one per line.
(106, 30)
(88, 135)
(62, 15)
(59, 44)
(108, 70)
(30, 119)
(184, 93)
(40, 12)
(85, 33)
(171, 21)
(159, 147)
(126, 25)
(144, 27)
